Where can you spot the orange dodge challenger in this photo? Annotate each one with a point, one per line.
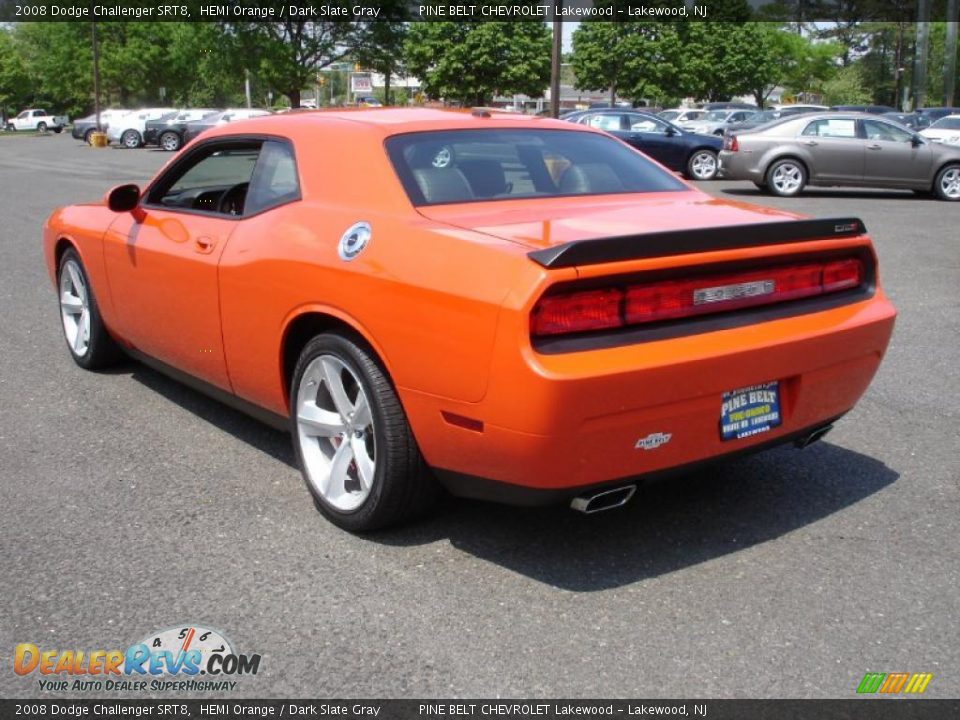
(517, 309)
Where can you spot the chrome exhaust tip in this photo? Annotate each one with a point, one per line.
(808, 440)
(603, 500)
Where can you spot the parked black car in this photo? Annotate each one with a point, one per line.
(932, 114)
(692, 154)
(914, 121)
(168, 131)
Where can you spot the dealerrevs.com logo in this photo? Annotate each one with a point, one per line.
(169, 660)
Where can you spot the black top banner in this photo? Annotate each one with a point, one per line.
(860, 709)
(798, 11)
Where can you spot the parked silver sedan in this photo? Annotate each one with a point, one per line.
(840, 149)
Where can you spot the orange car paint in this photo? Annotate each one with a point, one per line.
(443, 294)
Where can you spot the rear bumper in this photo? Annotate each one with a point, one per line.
(568, 422)
(477, 488)
(740, 165)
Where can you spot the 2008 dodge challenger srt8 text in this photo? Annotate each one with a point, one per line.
(517, 309)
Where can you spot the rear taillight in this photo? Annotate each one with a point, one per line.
(639, 303)
(730, 143)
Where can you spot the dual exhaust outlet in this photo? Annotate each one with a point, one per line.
(590, 503)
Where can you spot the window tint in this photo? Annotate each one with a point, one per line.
(606, 122)
(947, 123)
(643, 123)
(275, 179)
(476, 165)
(215, 181)
(832, 128)
(884, 131)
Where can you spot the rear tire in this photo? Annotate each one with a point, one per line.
(91, 346)
(352, 440)
(88, 136)
(41, 127)
(947, 184)
(170, 141)
(786, 178)
(702, 165)
(130, 139)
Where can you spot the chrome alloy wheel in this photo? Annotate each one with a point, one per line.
(703, 166)
(75, 308)
(787, 178)
(950, 183)
(336, 433)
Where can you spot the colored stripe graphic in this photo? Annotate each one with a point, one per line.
(918, 682)
(871, 682)
(893, 683)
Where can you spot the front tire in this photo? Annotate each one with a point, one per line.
(91, 346)
(130, 139)
(786, 178)
(88, 136)
(947, 184)
(355, 448)
(702, 165)
(170, 141)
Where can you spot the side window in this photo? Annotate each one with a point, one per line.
(605, 122)
(639, 123)
(217, 180)
(831, 128)
(882, 131)
(275, 180)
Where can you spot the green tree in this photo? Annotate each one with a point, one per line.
(14, 79)
(727, 59)
(288, 54)
(379, 44)
(473, 62)
(846, 87)
(637, 60)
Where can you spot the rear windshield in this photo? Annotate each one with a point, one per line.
(947, 123)
(461, 166)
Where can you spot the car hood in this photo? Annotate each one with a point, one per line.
(540, 223)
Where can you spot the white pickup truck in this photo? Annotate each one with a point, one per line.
(34, 119)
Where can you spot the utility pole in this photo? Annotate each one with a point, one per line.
(246, 87)
(950, 61)
(96, 74)
(555, 58)
(920, 57)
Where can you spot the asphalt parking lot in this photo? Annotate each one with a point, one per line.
(131, 504)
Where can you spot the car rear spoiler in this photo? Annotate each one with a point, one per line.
(682, 242)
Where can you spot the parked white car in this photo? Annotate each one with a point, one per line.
(128, 128)
(716, 121)
(679, 116)
(945, 130)
(39, 120)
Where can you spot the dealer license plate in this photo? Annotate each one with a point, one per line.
(750, 411)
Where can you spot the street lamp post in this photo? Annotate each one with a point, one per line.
(96, 74)
(555, 62)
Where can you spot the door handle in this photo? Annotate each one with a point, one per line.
(205, 243)
(811, 143)
(874, 147)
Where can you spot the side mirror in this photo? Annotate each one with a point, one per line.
(670, 132)
(123, 198)
(917, 141)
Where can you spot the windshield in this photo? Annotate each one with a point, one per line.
(461, 166)
(947, 123)
(716, 115)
